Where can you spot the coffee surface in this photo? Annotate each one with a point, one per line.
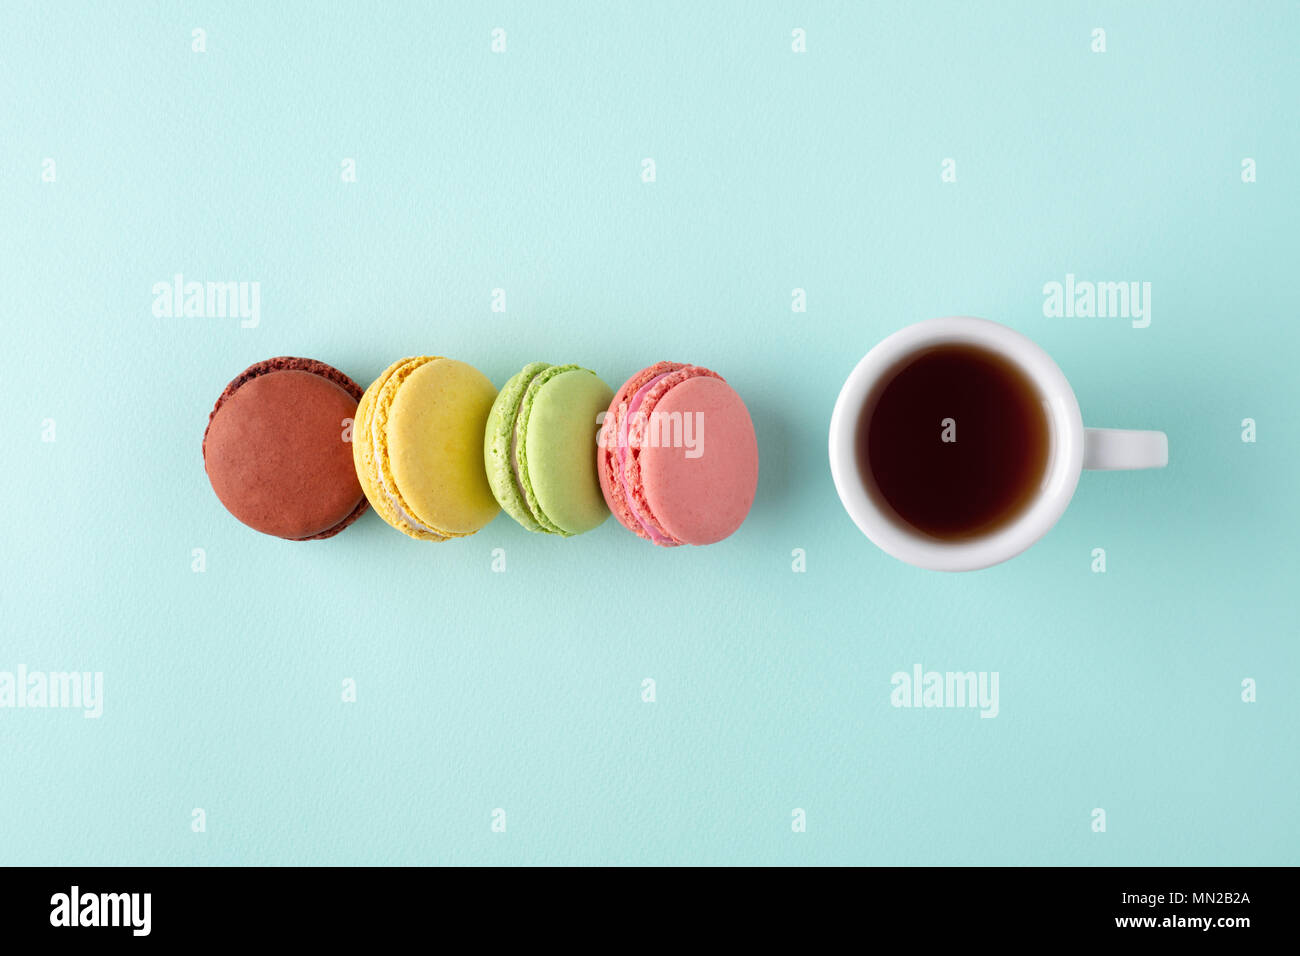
(956, 441)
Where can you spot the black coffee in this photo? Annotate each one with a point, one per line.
(955, 441)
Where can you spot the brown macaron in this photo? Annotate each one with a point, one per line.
(278, 449)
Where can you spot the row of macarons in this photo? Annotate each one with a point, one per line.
(296, 449)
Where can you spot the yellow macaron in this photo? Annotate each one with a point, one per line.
(418, 447)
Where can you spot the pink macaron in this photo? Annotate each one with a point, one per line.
(677, 456)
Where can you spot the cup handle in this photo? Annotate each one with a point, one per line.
(1119, 449)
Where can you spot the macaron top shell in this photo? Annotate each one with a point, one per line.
(277, 452)
(434, 435)
(701, 494)
(558, 423)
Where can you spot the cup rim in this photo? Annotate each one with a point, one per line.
(884, 529)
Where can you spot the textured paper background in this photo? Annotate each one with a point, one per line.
(521, 171)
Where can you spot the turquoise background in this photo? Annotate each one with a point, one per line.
(521, 690)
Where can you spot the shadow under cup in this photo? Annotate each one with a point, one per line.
(956, 442)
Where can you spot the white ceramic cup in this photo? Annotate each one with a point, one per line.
(1073, 447)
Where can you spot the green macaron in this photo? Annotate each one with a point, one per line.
(539, 448)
